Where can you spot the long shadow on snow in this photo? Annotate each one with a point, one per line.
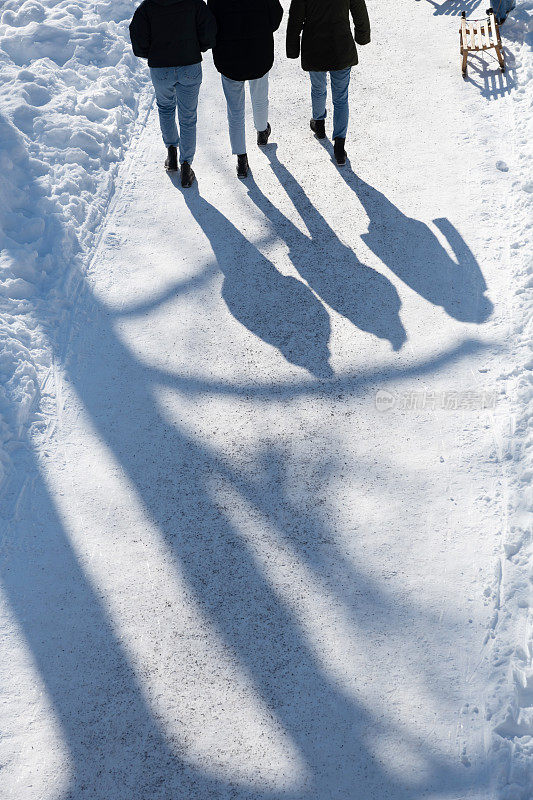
(342, 386)
(116, 746)
(278, 309)
(361, 294)
(173, 476)
(410, 249)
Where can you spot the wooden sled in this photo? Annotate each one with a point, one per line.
(480, 34)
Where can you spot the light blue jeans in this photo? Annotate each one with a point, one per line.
(178, 86)
(340, 83)
(235, 99)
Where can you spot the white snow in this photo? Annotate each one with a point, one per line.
(69, 97)
(266, 456)
(513, 648)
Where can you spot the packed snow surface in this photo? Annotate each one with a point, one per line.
(266, 454)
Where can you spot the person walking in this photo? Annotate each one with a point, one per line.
(327, 45)
(172, 35)
(244, 51)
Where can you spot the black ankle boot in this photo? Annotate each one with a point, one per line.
(242, 166)
(318, 126)
(187, 175)
(340, 152)
(262, 136)
(171, 164)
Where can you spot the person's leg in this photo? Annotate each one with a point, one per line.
(164, 80)
(234, 91)
(340, 83)
(319, 93)
(188, 84)
(259, 97)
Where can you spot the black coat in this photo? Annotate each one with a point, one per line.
(172, 33)
(327, 41)
(245, 39)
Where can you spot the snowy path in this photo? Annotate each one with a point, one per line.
(254, 583)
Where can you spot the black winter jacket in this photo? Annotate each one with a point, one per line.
(327, 41)
(172, 33)
(245, 40)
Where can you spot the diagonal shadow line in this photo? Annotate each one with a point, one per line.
(279, 309)
(181, 287)
(178, 288)
(116, 745)
(359, 293)
(355, 384)
(112, 737)
(407, 246)
(328, 728)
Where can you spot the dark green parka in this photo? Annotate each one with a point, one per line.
(327, 41)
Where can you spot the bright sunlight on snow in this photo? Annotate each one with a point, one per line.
(266, 450)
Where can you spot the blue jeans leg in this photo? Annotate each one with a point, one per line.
(340, 84)
(178, 87)
(188, 85)
(164, 81)
(259, 96)
(319, 93)
(235, 100)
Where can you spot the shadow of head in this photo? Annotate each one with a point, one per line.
(410, 249)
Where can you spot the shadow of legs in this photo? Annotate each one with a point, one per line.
(365, 297)
(278, 309)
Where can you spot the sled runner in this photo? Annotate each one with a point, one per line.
(481, 34)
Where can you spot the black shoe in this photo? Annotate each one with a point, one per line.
(262, 136)
(171, 164)
(339, 152)
(242, 166)
(187, 175)
(318, 126)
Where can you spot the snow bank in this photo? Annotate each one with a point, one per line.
(69, 96)
(513, 657)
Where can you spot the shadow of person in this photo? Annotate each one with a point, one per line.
(116, 745)
(278, 309)
(361, 294)
(410, 249)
